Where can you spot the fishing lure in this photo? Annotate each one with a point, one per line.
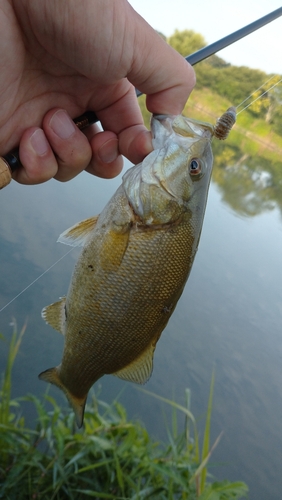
(225, 123)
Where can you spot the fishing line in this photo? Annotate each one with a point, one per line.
(265, 92)
(271, 78)
(34, 281)
(61, 258)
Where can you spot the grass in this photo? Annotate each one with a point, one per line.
(111, 457)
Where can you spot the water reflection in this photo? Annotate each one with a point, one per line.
(250, 185)
(229, 316)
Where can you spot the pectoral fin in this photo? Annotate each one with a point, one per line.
(78, 234)
(52, 376)
(55, 315)
(113, 249)
(140, 370)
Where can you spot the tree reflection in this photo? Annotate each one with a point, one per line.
(249, 184)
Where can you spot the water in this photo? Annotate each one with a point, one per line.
(229, 317)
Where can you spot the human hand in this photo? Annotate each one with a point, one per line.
(59, 59)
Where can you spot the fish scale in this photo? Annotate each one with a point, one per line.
(136, 258)
(125, 298)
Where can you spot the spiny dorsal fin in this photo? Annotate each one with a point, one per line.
(52, 375)
(139, 371)
(55, 315)
(78, 234)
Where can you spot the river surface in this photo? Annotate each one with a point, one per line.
(229, 318)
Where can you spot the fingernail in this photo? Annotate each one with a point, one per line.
(109, 151)
(62, 124)
(39, 142)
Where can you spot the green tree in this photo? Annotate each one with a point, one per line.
(186, 42)
(274, 112)
(276, 120)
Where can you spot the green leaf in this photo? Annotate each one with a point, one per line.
(225, 490)
(206, 443)
(96, 494)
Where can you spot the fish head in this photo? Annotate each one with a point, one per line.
(175, 177)
(185, 155)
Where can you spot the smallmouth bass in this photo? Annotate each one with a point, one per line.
(136, 258)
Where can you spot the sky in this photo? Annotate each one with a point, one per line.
(215, 19)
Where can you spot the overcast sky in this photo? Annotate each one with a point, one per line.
(215, 19)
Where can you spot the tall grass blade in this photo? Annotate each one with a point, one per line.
(6, 388)
(173, 404)
(204, 463)
(206, 442)
(224, 489)
(96, 494)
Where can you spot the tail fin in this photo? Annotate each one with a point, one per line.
(78, 404)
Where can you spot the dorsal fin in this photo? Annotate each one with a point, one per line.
(77, 235)
(139, 371)
(55, 315)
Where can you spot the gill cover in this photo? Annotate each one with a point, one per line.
(160, 186)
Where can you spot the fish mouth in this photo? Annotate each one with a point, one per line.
(161, 129)
(159, 122)
(165, 126)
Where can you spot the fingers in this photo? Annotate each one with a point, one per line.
(60, 150)
(124, 118)
(106, 159)
(72, 149)
(37, 158)
(135, 143)
(57, 150)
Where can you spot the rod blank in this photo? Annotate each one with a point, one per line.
(11, 161)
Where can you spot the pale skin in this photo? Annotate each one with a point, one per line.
(60, 58)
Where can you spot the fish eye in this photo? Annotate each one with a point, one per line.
(195, 166)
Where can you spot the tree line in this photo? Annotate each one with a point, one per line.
(233, 82)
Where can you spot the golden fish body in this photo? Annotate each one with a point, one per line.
(135, 261)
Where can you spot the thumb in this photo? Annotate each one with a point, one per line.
(159, 71)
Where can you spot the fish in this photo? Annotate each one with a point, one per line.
(135, 261)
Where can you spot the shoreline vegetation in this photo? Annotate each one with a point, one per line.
(247, 166)
(111, 457)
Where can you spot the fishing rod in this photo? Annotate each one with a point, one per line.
(11, 161)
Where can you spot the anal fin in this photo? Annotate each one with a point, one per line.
(139, 370)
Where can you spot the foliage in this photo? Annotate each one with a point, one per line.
(186, 42)
(247, 168)
(110, 458)
(235, 83)
(7, 377)
(274, 112)
(277, 120)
